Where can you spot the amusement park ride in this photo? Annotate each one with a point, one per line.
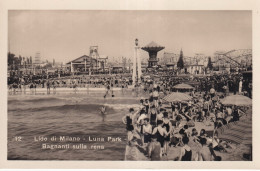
(235, 58)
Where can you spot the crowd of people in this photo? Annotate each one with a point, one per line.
(235, 83)
(156, 126)
(21, 84)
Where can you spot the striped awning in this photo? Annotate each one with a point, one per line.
(177, 97)
(239, 132)
(238, 100)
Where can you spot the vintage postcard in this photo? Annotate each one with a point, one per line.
(129, 87)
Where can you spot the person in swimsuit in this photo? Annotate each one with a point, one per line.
(153, 117)
(155, 97)
(146, 131)
(146, 104)
(186, 152)
(202, 134)
(128, 121)
(161, 133)
(108, 89)
(154, 149)
(168, 126)
(54, 86)
(184, 131)
(159, 116)
(194, 136)
(150, 95)
(48, 87)
(140, 120)
(103, 112)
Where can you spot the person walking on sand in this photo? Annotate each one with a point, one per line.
(128, 120)
(168, 126)
(147, 131)
(155, 97)
(154, 149)
(153, 117)
(161, 133)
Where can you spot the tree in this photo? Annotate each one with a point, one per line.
(23, 60)
(11, 59)
(27, 60)
(16, 63)
(180, 63)
(210, 66)
(20, 61)
(124, 61)
(30, 60)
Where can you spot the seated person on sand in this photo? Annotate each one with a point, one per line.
(194, 136)
(184, 131)
(207, 121)
(179, 118)
(205, 153)
(202, 134)
(212, 115)
(194, 144)
(221, 146)
(178, 136)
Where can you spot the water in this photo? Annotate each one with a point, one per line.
(69, 114)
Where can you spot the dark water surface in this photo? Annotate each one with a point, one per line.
(70, 114)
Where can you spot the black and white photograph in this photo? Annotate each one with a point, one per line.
(129, 85)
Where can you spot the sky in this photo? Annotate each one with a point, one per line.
(66, 35)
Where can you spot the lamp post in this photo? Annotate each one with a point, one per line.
(139, 69)
(134, 63)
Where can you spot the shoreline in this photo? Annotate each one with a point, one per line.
(65, 89)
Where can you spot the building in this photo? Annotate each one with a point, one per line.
(37, 58)
(194, 69)
(169, 58)
(87, 64)
(192, 65)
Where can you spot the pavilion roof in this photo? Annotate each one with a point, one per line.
(153, 46)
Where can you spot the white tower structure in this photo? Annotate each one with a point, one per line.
(37, 58)
(94, 55)
(136, 61)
